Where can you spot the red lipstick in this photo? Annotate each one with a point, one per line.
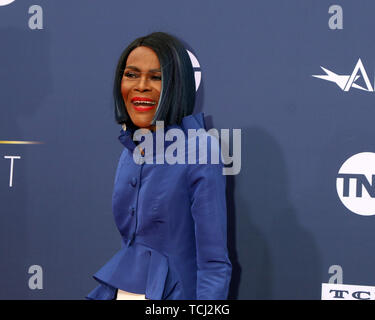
(143, 103)
(141, 99)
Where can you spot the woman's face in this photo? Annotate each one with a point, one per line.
(141, 85)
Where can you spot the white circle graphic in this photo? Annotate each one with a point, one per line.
(197, 73)
(355, 183)
(5, 2)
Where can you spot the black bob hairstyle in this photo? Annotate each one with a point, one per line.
(177, 97)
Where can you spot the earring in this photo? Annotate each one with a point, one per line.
(123, 126)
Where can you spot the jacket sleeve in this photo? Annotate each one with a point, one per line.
(208, 207)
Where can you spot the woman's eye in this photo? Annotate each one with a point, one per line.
(131, 75)
(134, 75)
(157, 78)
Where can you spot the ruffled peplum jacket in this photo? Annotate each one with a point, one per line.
(173, 222)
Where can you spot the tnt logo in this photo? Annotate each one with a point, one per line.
(355, 183)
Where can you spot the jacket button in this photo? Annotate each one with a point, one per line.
(133, 181)
(132, 210)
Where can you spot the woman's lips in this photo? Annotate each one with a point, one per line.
(143, 104)
(143, 108)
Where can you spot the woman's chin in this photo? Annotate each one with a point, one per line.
(142, 124)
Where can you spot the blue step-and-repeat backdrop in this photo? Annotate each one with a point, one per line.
(297, 77)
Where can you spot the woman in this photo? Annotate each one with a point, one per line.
(172, 218)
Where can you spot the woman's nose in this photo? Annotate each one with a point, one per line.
(143, 84)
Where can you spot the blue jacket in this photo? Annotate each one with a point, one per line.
(173, 223)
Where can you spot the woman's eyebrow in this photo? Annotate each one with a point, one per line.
(137, 69)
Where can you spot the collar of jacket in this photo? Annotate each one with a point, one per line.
(193, 121)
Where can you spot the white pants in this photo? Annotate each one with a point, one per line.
(125, 295)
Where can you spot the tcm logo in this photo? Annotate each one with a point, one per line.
(332, 291)
(355, 183)
(346, 82)
(5, 2)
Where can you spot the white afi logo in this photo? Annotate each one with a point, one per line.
(345, 82)
(197, 70)
(5, 2)
(355, 183)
